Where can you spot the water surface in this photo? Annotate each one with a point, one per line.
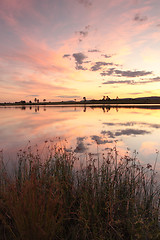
(87, 129)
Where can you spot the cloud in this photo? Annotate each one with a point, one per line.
(93, 50)
(99, 140)
(103, 132)
(154, 125)
(37, 56)
(120, 124)
(126, 132)
(80, 139)
(137, 93)
(86, 3)
(27, 85)
(129, 73)
(106, 56)
(80, 148)
(139, 18)
(135, 1)
(33, 23)
(131, 132)
(80, 67)
(66, 55)
(156, 79)
(87, 62)
(119, 82)
(151, 80)
(132, 82)
(83, 33)
(79, 57)
(108, 133)
(150, 125)
(109, 72)
(98, 65)
(34, 95)
(66, 96)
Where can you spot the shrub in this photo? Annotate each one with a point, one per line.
(54, 198)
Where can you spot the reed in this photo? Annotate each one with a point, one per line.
(112, 197)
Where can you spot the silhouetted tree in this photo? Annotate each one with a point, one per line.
(104, 98)
(22, 102)
(35, 100)
(44, 100)
(107, 98)
(84, 98)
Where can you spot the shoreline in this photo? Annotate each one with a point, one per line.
(147, 101)
(85, 105)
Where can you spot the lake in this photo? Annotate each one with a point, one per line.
(82, 129)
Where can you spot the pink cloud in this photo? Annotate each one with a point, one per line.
(38, 56)
(38, 33)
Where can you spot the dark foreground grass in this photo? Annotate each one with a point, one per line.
(55, 200)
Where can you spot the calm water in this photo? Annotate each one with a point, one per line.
(128, 128)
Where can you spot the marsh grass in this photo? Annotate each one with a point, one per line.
(53, 199)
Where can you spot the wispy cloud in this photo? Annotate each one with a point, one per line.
(54, 46)
(133, 82)
(100, 140)
(33, 95)
(66, 55)
(109, 72)
(98, 65)
(125, 73)
(83, 33)
(69, 97)
(106, 55)
(129, 124)
(86, 3)
(129, 73)
(124, 132)
(129, 132)
(139, 18)
(108, 133)
(93, 50)
(119, 82)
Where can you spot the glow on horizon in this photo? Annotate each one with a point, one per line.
(68, 49)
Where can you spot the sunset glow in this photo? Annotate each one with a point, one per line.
(67, 49)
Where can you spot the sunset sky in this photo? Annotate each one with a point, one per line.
(68, 49)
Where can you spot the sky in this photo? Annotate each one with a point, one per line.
(69, 49)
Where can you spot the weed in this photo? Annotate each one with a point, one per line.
(112, 198)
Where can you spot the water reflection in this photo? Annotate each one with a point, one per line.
(85, 128)
(105, 108)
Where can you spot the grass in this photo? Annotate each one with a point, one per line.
(55, 199)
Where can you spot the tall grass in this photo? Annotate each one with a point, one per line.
(53, 199)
